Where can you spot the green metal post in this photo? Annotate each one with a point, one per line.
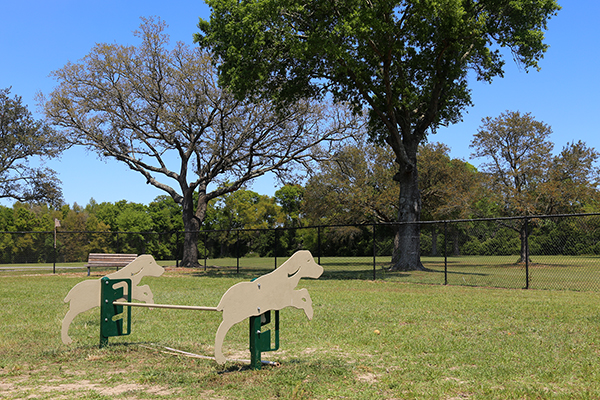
(261, 341)
(111, 316)
(255, 361)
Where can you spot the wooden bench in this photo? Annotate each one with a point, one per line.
(109, 260)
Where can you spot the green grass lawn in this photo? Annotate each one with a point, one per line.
(384, 339)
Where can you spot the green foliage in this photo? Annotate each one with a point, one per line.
(355, 186)
(401, 51)
(247, 210)
(517, 154)
(450, 188)
(566, 236)
(21, 139)
(290, 198)
(231, 230)
(348, 240)
(243, 209)
(165, 214)
(524, 173)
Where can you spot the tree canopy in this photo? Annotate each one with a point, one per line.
(21, 139)
(406, 61)
(527, 178)
(450, 188)
(161, 111)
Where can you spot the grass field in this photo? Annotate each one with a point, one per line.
(384, 339)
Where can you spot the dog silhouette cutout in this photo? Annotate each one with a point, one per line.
(86, 294)
(273, 291)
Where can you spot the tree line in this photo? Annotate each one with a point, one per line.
(128, 227)
(351, 191)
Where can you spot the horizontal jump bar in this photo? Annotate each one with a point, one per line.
(198, 308)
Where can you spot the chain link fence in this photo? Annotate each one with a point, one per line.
(542, 252)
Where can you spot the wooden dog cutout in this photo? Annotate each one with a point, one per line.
(86, 295)
(273, 291)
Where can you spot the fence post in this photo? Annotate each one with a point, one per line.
(526, 253)
(374, 254)
(319, 244)
(56, 224)
(237, 250)
(177, 252)
(275, 246)
(445, 252)
(205, 250)
(54, 262)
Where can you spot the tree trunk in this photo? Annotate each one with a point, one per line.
(523, 235)
(455, 242)
(191, 226)
(434, 238)
(407, 251)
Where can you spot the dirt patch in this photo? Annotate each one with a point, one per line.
(133, 387)
(367, 377)
(238, 355)
(309, 350)
(67, 387)
(80, 388)
(5, 387)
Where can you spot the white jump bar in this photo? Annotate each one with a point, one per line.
(176, 307)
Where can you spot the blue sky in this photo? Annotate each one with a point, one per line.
(37, 37)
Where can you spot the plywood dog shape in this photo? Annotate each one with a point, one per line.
(273, 291)
(86, 295)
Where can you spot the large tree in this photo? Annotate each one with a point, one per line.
(526, 176)
(22, 138)
(407, 61)
(161, 111)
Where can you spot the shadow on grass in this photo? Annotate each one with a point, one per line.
(459, 272)
(328, 274)
(336, 270)
(229, 367)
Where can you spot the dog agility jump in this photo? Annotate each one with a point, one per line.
(86, 295)
(245, 300)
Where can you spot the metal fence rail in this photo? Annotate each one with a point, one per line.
(537, 252)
